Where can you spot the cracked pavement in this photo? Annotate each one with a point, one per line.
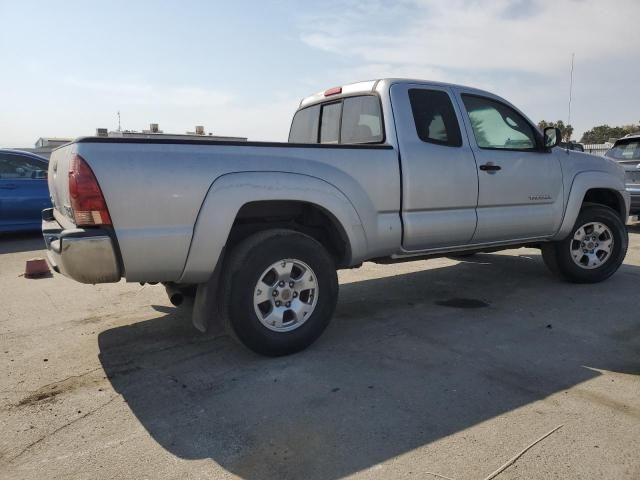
(111, 381)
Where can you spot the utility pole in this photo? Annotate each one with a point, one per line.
(573, 56)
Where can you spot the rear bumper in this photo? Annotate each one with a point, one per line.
(634, 192)
(85, 255)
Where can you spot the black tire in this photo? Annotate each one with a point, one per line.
(243, 268)
(557, 255)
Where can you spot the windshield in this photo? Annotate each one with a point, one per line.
(628, 150)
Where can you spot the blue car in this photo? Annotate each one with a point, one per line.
(24, 192)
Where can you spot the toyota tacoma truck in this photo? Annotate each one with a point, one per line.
(386, 170)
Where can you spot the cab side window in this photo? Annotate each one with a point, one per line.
(497, 126)
(434, 117)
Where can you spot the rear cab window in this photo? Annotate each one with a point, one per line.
(361, 120)
(350, 120)
(330, 123)
(304, 127)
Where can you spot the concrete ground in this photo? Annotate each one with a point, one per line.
(110, 381)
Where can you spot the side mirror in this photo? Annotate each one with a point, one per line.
(552, 137)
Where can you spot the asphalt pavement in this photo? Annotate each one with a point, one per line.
(445, 367)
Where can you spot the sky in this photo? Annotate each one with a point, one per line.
(240, 68)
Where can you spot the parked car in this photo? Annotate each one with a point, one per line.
(23, 190)
(381, 171)
(626, 151)
(578, 147)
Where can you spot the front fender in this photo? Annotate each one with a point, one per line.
(228, 193)
(582, 183)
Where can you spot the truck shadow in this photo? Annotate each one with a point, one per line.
(395, 371)
(21, 242)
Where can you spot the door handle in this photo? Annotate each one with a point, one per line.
(489, 167)
(10, 186)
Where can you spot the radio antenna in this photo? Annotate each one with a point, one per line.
(573, 56)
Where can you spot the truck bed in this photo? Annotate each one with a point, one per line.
(155, 188)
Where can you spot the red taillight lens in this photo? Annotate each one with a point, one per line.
(87, 202)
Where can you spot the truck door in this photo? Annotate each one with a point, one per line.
(520, 183)
(439, 173)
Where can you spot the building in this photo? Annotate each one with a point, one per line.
(155, 132)
(45, 145)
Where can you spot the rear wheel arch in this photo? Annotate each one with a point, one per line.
(306, 217)
(225, 208)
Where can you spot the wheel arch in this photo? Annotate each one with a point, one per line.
(595, 187)
(237, 197)
(607, 197)
(298, 215)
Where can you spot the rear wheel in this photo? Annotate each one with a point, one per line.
(282, 290)
(593, 251)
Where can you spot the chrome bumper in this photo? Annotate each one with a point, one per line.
(87, 256)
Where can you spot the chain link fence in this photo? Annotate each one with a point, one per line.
(596, 148)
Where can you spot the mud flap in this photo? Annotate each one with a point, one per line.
(207, 313)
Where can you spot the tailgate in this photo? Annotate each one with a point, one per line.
(58, 179)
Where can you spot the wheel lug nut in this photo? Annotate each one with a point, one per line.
(281, 283)
(275, 293)
(277, 304)
(288, 304)
(291, 284)
(295, 294)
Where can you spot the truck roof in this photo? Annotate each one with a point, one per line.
(368, 86)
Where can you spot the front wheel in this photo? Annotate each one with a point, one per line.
(282, 290)
(593, 251)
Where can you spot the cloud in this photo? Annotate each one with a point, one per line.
(148, 94)
(524, 36)
(519, 49)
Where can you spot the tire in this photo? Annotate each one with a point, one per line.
(602, 222)
(250, 263)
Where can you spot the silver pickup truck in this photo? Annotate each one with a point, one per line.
(253, 232)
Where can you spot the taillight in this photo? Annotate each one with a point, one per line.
(87, 202)
(333, 91)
